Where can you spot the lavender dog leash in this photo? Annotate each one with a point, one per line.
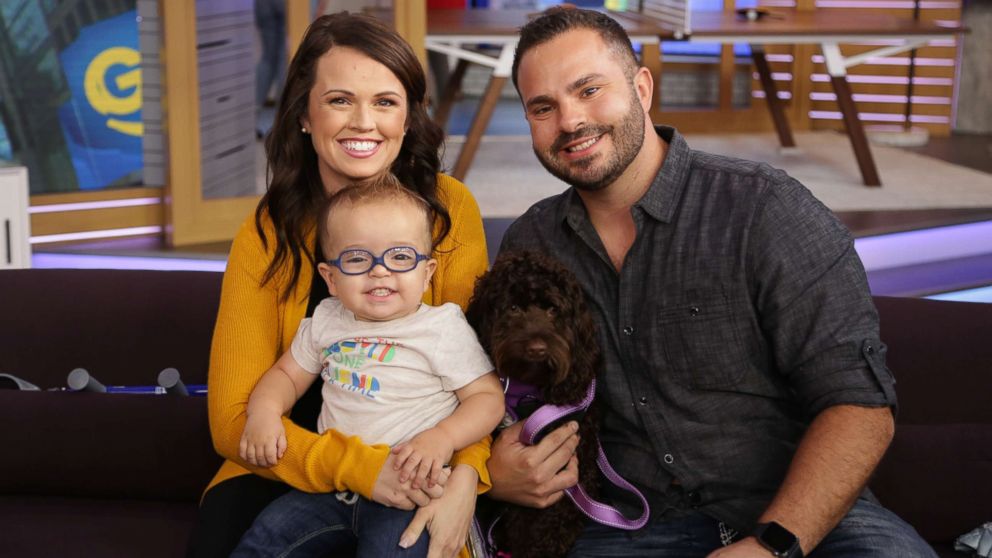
(597, 511)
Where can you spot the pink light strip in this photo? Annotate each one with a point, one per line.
(877, 98)
(83, 206)
(880, 117)
(889, 42)
(778, 57)
(92, 261)
(924, 245)
(777, 76)
(898, 80)
(898, 61)
(885, 4)
(781, 94)
(88, 235)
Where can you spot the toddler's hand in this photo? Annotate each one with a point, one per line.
(263, 443)
(423, 458)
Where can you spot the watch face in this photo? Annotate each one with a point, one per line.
(778, 538)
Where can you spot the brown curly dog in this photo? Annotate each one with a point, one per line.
(530, 315)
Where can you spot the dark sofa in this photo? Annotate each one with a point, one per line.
(87, 474)
(93, 474)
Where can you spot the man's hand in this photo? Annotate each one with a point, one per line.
(389, 491)
(744, 548)
(534, 476)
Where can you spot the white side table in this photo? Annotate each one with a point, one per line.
(15, 223)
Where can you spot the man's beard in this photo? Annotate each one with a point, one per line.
(627, 141)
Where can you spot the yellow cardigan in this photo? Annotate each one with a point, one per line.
(254, 327)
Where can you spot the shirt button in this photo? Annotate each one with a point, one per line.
(628, 330)
(669, 458)
(643, 401)
(693, 310)
(870, 350)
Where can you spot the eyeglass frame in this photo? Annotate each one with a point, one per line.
(378, 260)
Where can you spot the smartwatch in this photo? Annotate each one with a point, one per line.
(778, 540)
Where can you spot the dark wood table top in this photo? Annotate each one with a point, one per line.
(779, 22)
(814, 23)
(442, 22)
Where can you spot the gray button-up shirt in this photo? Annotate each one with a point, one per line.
(741, 311)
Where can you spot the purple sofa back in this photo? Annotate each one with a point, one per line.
(122, 326)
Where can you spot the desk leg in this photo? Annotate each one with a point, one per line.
(855, 131)
(478, 127)
(451, 90)
(771, 97)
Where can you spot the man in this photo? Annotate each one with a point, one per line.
(745, 386)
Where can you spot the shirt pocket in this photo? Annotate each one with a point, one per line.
(704, 341)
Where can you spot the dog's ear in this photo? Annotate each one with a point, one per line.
(475, 314)
(481, 306)
(584, 362)
(586, 354)
(586, 358)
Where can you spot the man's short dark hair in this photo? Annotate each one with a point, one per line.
(557, 21)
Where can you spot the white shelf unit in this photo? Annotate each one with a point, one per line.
(15, 223)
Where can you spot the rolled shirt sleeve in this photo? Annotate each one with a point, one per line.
(813, 302)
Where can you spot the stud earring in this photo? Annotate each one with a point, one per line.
(304, 130)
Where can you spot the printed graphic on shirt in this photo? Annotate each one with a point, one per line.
(344, 361)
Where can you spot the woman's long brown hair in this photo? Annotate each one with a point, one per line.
(295, 193)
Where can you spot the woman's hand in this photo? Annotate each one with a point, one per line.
(389, 491)
(448, 518)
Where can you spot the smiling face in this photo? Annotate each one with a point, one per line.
(587, 119)
(356, 117)
(376, 226)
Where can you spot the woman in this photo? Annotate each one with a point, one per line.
(353, 107)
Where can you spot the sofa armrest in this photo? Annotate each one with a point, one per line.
(105, 445)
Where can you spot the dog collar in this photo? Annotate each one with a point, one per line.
(521, 399)
(547, 418)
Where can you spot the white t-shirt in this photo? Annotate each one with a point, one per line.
(388, 381)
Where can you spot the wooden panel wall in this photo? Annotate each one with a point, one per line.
(879, 86)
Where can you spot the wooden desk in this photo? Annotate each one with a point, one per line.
(452, 32)
(828, 29)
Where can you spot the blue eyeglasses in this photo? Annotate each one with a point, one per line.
(399, 259)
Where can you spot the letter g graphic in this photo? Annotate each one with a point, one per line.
(103, 100)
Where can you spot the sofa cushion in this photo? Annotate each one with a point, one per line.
(51, 526)
(105, 445)
(936, 477)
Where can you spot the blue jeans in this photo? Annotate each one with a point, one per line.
(867, 531)
(301, 524)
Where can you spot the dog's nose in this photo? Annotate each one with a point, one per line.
(537, 348)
